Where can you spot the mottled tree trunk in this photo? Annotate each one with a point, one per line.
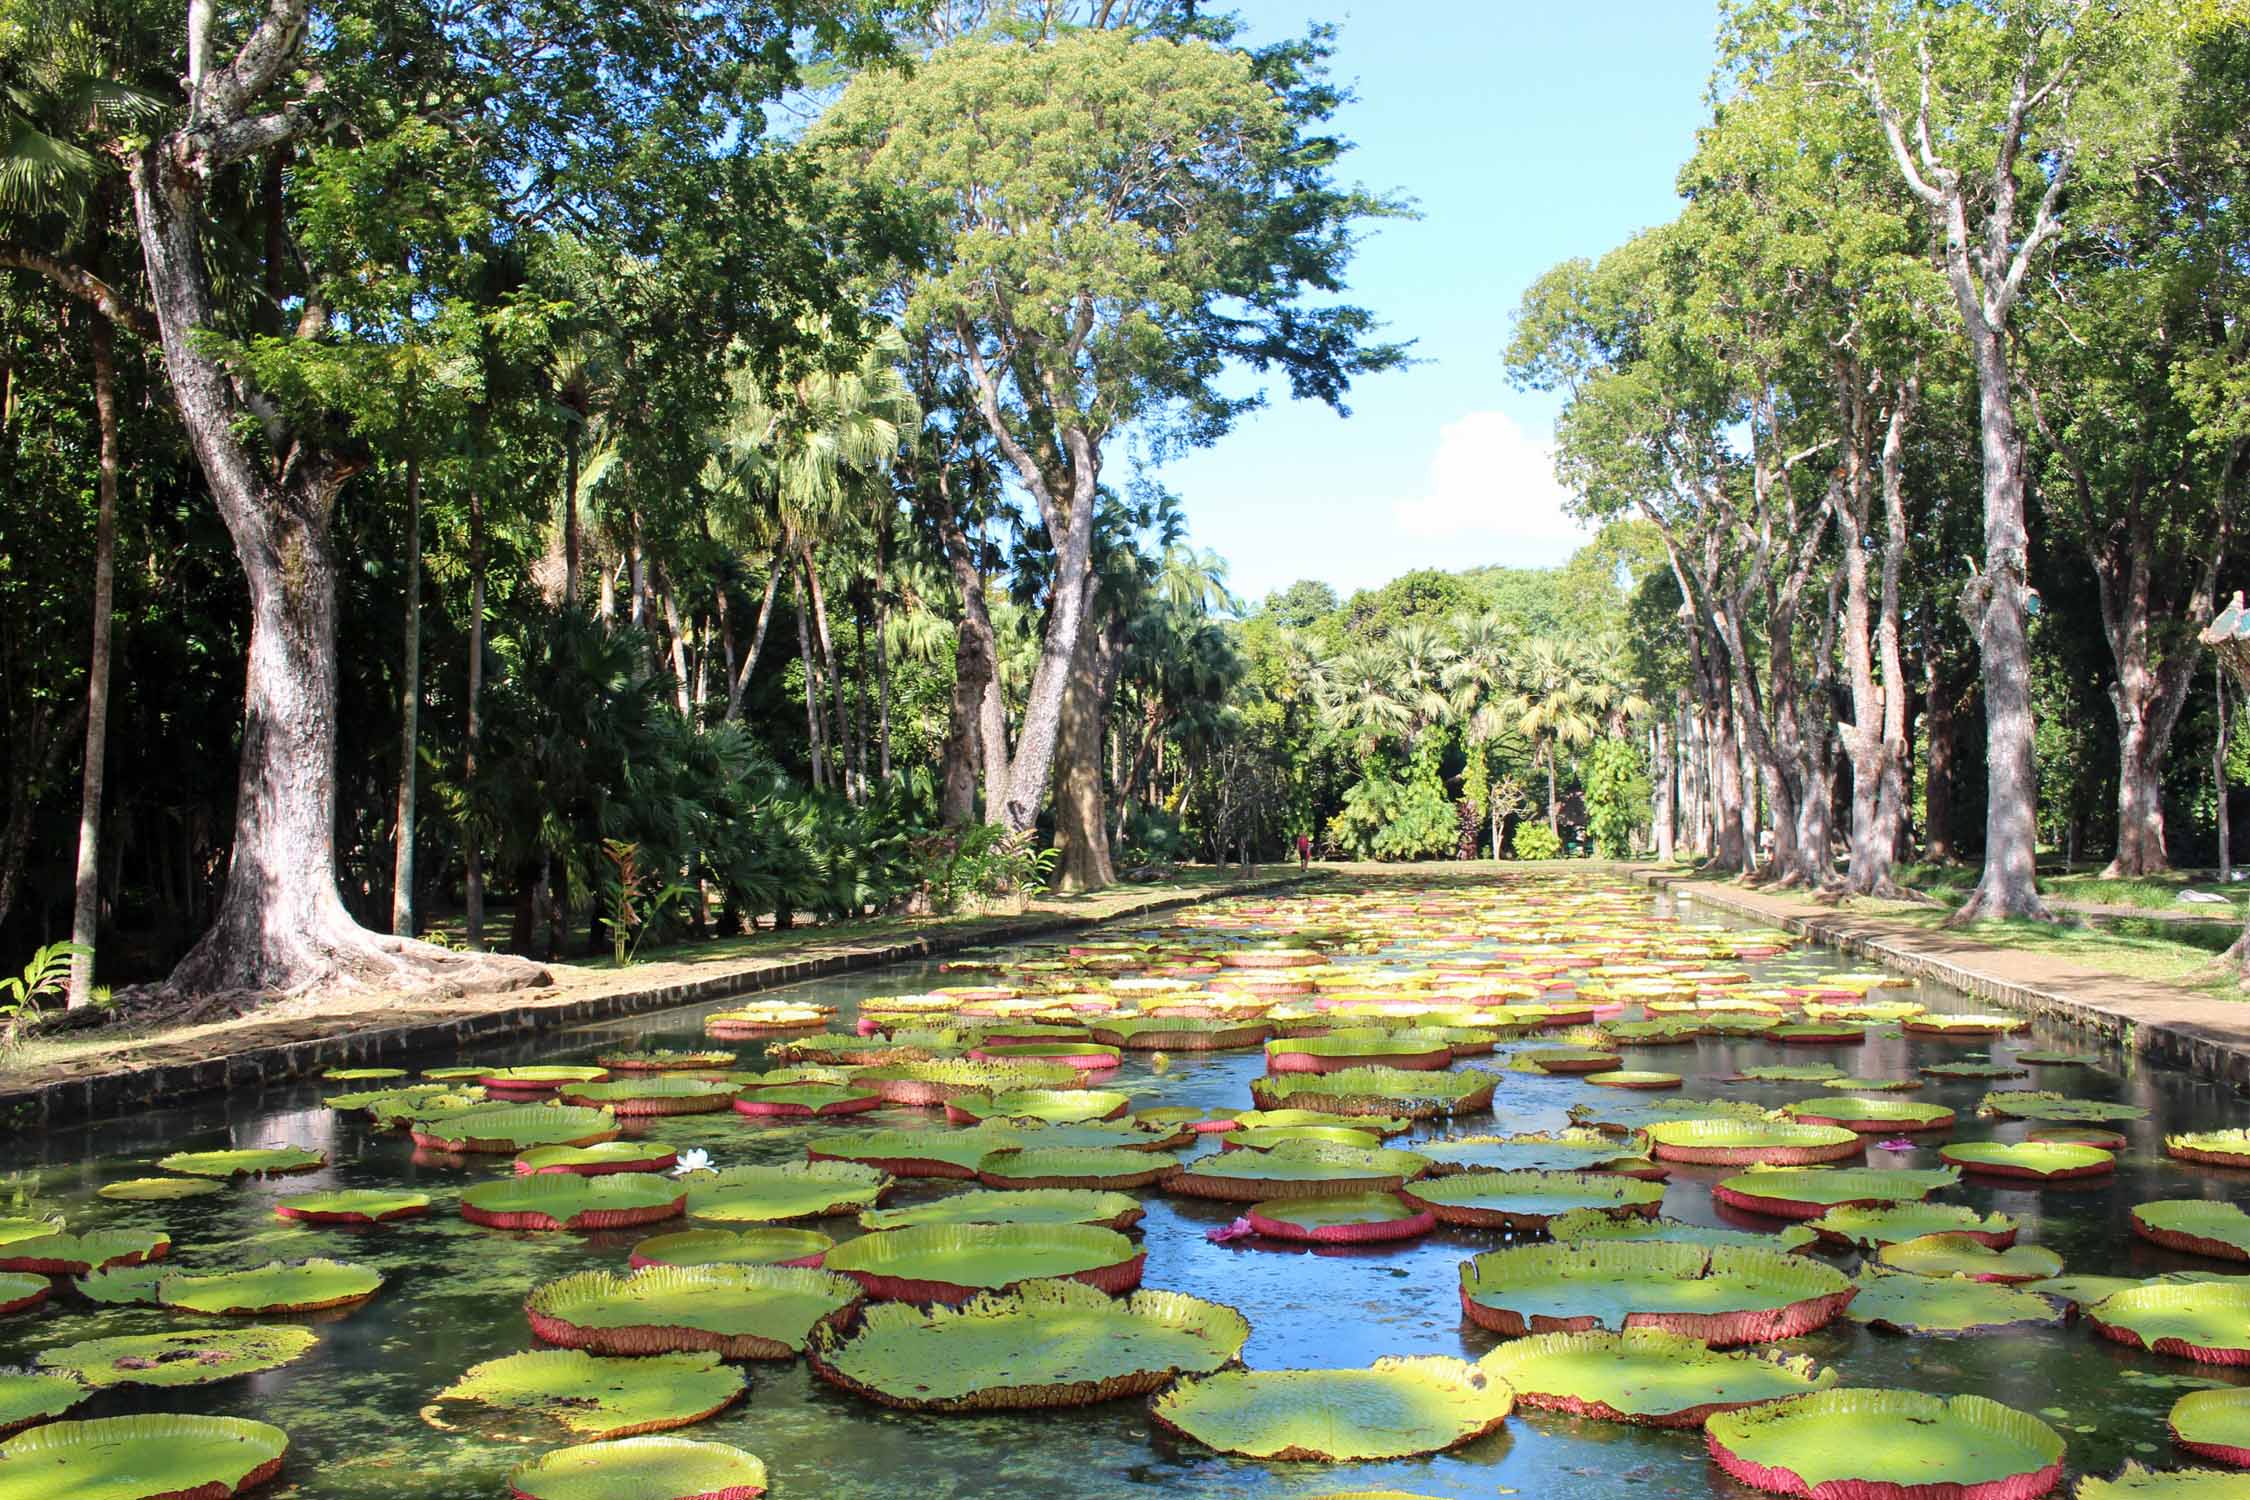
(973, 672)
(472, 882)
(740, 678)
(86, 906)
(992, 734)
(410, 711)
(1081, 825)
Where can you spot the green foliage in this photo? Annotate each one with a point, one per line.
(980, 863)
(1535, 841)
(1386, 818)
(1617, 797)
(47, 974)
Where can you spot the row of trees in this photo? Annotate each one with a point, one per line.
(1955, 304)
(609, 470)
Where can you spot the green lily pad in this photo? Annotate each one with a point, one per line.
(662, 1060)
(1180, 1033)
(26, 1398)
(263, 1161)
(738, 1311)
(140, 1458)
(597, 1160)
(1265, 1138)
(1647, 1375)
(1361, 1218)
(1573, 1150)
(2200, 1320)
(455, 1072)
(540, 1076)
(1280, 1119)
(63, 1254)
(1724, 1142)
(1583, 1224)
(1941, 1023)
(2137, 1482)
(361, 1075)
(779, 1194)
(935, 1082)
(2218, 1148)
(953, 1262)
(20, 1291)
(1858, 1441)
(2038, 1161)
(2058, 1059)
(1973, 1070)
(1870, 1228)
(921, 1153)
(192, 1357)
(160, 1189)
(1870, 1085)
(1876, 1116)
(771, 1246)
(1417, 1094)
(2081, 1291)
(2214, 1424)
(646, 1468)
(1528, 1200)
(550, 1201)
(277, 1287)
(1295, 1171)
(1055, 1106)
(17, 1228)
(1097, 1167)
(353, 1206)
(1791, 1073)
(1809, 1192)
(1905, 1303)
(124, 1286)
(1398, 1408)
(594, 1396)
(1049, 1344)
(2044, 1104)
(1722, 1296)
(652, 1094)
(1959, 1255)
(2201, 1226)
(509, 1128)
(1110, 1210)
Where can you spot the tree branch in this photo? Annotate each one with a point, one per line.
(83, 285)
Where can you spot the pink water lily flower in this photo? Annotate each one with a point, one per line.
(1895, 1143)
(1226, 1235)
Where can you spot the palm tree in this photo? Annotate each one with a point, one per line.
(1559, 707)
(1482, 697)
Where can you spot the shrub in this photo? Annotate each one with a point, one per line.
(1617, 797)
(1535, 841)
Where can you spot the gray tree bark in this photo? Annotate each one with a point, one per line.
(86, 903)
(410, 711)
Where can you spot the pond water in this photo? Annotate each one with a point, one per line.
(454, 1294)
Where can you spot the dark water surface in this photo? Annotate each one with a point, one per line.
(455, 1292)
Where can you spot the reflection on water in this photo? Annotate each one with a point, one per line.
(455, 1291)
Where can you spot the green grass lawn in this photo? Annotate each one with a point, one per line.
(1952, 883)
(2168, 953)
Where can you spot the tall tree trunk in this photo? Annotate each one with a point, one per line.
(676, 633)
(1937, 779)
(1875, 741)
(1554, 805)
(973, 672)
(472, 883)
(1081, 827)
(1666, 811)
(573, 543)
(410, 710)
(1733, 826)
(812, 695)
(741, 678)
(827, 649)
(992, 731)
(2219, 779)
(85, 911)
(859, 701)
(882, 690)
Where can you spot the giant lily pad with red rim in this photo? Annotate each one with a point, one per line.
(599, 1160)
(931, 1084)
(2036, 1161)
(1809, 1192)
(2218, 1148)
(1740, 1143)
(261, 1161)
(1266, 1137)
(197, 1356)
(1179, 1033)
(1564, 1060)
(736, 1311)
(276, 1287)
(160, 1189)
(1871, 1228)
(1648, 1376)
(1973, 1070)
(1378, 1091)
(1941, 1023)
(1871, 1116)
(1888, 1445)
(1577, 1149)
(2045, 1104)
(1819, 1033)
(1594, 1224)
(806, 1101)
(1048, 1344)
(663, 1060)
(954, 1262)
(646, 1468)
(1528, 1200)
(764, 1018)
(2214, 1425)
(1109, 1210)
(919, 1153)
(352, 1206)
(1359, 1219)
(1961, 1255)
(592, 1395)
(1634, 1078)
(510, 1128)
(539, 1078)
(1355, 1047)
(2205, 1321)
(63, 1254)
(1282, 1119)
(1787, 1073)
(2138, 1482)
(1106, 1168)
(123, 1286)
(550, 1201)
(2080, 1135)
(2200, 1226)
(146, 1457)
(1905, 1303)
(771, 1246)
(21, 1291)
(1870, 1085)
(1397, 1408)
(1082, 1057)
(652, 1094)
(1296, 1170)
(19, 1227)
(1051, 1106)
(27, 1397)
(1722, 1296)
(781, 1194)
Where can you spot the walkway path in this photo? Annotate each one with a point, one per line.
(2202, 1033)
(288, 1041)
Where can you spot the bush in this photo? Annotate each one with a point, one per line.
(1535, 841)
(1617, 797)
(1385, 819)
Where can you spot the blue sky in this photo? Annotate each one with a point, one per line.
(1527, 133)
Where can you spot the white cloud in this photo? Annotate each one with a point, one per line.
(1492, 485)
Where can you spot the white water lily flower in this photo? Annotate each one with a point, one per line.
(694, 1159)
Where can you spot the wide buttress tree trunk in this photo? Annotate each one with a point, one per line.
(974, 666)
(1081, 823)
